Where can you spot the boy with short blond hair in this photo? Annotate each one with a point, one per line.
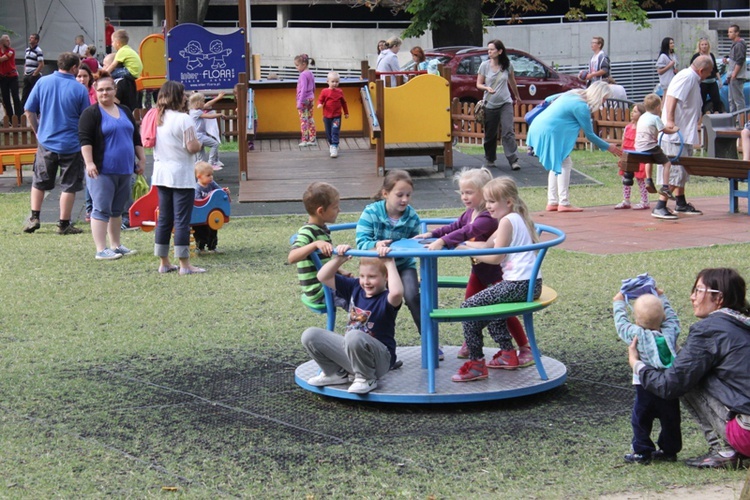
(321, 202)
(206, 239)
(656, 326)
(332, 101)
(647, 141)
(127, 61)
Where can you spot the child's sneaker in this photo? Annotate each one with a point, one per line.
(637, 458)
(363, 386)
(641, 206)
(474, 369)
(666, 192)
(441, 354)
(650, 185)
(623, 205)
(505, 360)
(463, 353)
(322, 380)
(525, 358)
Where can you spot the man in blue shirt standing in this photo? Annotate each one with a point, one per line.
(52, 110)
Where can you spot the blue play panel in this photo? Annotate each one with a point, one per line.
(408, 384)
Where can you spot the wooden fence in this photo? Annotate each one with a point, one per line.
(609, 124)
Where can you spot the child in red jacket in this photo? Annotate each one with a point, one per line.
(332, 101)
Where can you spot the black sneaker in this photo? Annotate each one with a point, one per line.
(650, 186)
(31, 225)
(663, 213)
(70, 229)
(713, 460)
(637, 458)
(666, 192)
(660, 456)
(687, 209)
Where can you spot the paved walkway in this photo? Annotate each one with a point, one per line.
(597, 230)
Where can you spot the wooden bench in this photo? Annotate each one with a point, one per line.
(17, 145)
(16, 157)
(735, 170)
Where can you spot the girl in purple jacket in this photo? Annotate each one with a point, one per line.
(476, 224)
(305, 99)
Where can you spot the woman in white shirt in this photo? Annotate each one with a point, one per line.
(174, 177)
(389, 60)
(666, 64)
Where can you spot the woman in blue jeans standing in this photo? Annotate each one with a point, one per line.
(496, 78)
(174, 176)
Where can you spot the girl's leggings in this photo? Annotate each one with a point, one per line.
(475, 286)
(306, 121)
(499, 293)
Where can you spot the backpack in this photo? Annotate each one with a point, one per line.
(148, 128)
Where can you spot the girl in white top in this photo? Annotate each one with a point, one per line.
(174, 177)
(388, 59)
(666, 64)
(515, 228)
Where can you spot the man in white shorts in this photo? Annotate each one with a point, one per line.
(682, 108)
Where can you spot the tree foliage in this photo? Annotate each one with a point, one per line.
(461, 22)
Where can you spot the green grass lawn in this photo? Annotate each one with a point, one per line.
(119, 381)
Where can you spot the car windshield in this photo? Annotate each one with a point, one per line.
(527, 67)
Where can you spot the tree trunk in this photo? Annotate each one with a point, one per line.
(192, 11)
(450, 32)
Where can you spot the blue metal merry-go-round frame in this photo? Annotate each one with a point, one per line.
(417, 380)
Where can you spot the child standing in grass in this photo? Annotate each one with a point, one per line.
(321, 202)
(476, 224)
(205, 237)
(368, 349)
(657, 328)
(332, 101)
(392, 218)
(628, 142)
(515, 228)
(305, 99)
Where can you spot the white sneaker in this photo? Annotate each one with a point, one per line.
(363, 386)
(334, 151)
(304, 144)
(321, 379)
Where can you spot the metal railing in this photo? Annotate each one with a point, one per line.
(300, 23)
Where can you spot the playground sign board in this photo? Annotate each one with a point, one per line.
(203, 60)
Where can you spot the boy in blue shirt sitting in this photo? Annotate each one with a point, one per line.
(368, 349)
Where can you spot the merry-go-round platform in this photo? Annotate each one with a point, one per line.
(408, 384)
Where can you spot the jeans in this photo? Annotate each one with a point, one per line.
(736, 97)
(28, 83)
(175, 210)
(712, 416)
(11, 102)
(333, 127)
(648, 408)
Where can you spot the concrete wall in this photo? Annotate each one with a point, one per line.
(556, 44)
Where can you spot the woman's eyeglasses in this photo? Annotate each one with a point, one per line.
(701, 290)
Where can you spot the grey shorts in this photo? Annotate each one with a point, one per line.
(677, 175)
(46, 164)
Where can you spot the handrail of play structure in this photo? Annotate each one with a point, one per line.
(370, 108)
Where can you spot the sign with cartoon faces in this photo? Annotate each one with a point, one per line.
(203, 60)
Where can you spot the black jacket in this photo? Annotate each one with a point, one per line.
(717, 352)
(90, 131)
